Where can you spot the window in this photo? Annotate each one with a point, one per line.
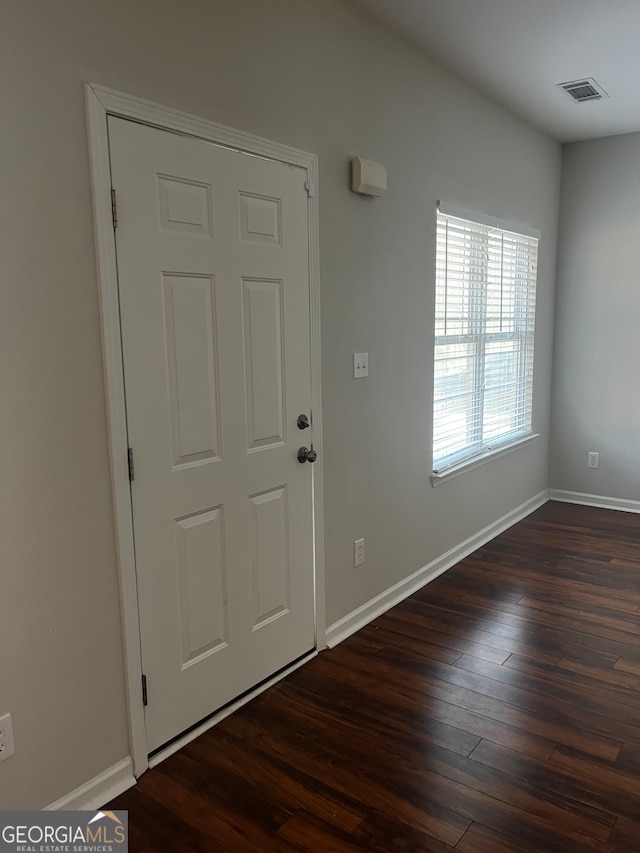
(484, 331)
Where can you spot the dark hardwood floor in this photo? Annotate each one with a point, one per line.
(495, 711)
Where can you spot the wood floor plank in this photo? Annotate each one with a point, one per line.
(217, 818)
(427, 790)
(466, 634)
(591, 657)
(625, 838)
(481, 839)
(556, 580)
(597, 775)
(619, 614)
(403, 644)
(152, 823)
(606, 622)
(308, 832)
(277, 783)
(629, 759)
(464, 720)
(631, 666)
(354, 774)
(553, 632)
(495, 711)
(406, 722)
(559, 783)
(522, 709)
(572, 696)
(382, 833)
(612, 685)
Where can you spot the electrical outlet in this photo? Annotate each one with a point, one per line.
(358, 552)
(593, 459)
(7, 746)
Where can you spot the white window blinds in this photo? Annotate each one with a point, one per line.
(484, 333)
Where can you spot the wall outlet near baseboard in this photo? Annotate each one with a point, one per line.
(358, 552)
(593, 459)
(7, 746)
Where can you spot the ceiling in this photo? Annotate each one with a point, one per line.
(518, 50)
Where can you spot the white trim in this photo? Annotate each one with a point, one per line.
(360, 617)
(147, 112)
(475, 461)
(116, 420)
(623, 504)
(488, 220)
(316, 406)
(101, 102)
(99, 790)
(177, 744)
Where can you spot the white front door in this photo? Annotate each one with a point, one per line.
(213, 269)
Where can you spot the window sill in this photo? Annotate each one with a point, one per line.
(481, 459)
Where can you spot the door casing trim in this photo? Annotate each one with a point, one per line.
(100, 103)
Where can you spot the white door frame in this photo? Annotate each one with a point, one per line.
(100, 103)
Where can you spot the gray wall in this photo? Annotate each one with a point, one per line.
(596, 400)
(318, 77)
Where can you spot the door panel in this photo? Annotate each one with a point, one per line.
(269, 555)
(192, 362)
(262, 323)
(212, 250)
(201, 571)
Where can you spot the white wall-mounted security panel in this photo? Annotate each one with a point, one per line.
(368, 177)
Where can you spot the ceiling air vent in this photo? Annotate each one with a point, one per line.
(584, 90)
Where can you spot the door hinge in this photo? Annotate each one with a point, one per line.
(132, 470)
(310, 187)
(144, 691)
(114, 208)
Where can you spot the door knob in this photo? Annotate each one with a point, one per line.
(303, 422)
(307, 454)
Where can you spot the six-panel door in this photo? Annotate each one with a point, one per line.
(212, 251)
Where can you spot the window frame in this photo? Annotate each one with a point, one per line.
(480, 449)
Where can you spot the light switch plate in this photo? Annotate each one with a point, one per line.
(360, 365)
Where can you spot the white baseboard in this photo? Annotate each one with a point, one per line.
(594, 500)
(99, 790)
(360, 617)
